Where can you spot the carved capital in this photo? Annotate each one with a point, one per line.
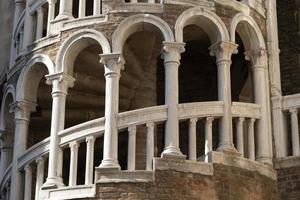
(132, 130)
(60, 82)
(22, 109)
(210, 120)
(113, 63)
(193, 121)
(293, 111)
(256, 57)
(223, 50)
(172, 51)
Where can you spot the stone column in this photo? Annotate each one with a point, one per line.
(51, 14)
(39, 176)
(65, 10)
(39, 23)
(73, 163)
(28, 28)
(22, 110)
(97, 7)
(259, 70)
(251, 139)
(113, 65)
(223, 52)
(131, 148)
(193, 139)
(240, 135)
(295, 132)
(89, 165)
(6, 151)
(28, 182)
(60, 84)
(150, 145)
(171, 56)
(208, 137)
(82, 8)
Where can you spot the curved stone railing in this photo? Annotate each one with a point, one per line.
(4, 182)
(128, 122)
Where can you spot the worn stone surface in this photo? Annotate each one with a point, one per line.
(289, 183)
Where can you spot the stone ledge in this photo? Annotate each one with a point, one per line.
(117, 176)
(288, 162)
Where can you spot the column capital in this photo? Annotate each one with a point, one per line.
(256, 57)
(22, 109)
(240, 119)
(132, 130)
(150, 125)
(172, 51)
(223, 50)
(60, 82)
(40, 160)
(52, 1)
(193, 120)
(28, 168)
(210, 120)
(40, 10)
(73, 145)
(90, 139)
(113, 63)
(293, 110)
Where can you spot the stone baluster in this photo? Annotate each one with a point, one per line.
(82, 8)
(22, 110)
(73, 163)
(60, 84)
(171, 55)
(28, 182)
(193, 139)
(150, 145)
(65, 10)
(40, 173)
(240, 135)
(89, 166)
(97, 7)
(51, 14)
(223, 52)
(295, 131)
(60, 161)
(131, 148)
(40, 23)
(259, 64)
(251, 139)
(113, 64)
(208, 136)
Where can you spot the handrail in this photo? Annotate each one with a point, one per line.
(291, 101)
(247, 110)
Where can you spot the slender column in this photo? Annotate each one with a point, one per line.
(171, 55)
(295, 132)
(208, 136)
(240, 135)
(113, 65)
(65, 10)
(39, 176)
(6, 151)
(40, 23)
(82, 8)
(60, 83)
(223, 52)
(51, 14)
(60, 162)
(22, 110)
(251, 142)
(150, 145)
(73, 163)
(193, 139)
(259, 69)
(131, 148)
(89, 166)
(97, 7)
(28, 28)
(28, 182)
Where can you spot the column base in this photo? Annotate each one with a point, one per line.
(53, 183)
(109, 164)
(63, 17)
(172, 152)
(229, 149)
(265, 160)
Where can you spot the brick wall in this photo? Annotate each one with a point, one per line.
(289, 183)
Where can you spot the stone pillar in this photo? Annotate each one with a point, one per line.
(208, 137)
(240, 135)
(60, 84)
(97, 7)
(223, 52)
(51, 14)
(6, 151)
(193, 139)
(39, 176)
(89, 166)
(82, 8)
(150, 146)
(113, 65)
(39, 23)
(251, 139)
(259, 70)
(28, 28)
(65, 10)
(22, 110)
(28, 182)
(131, 148)
(295, 132)
(171, 56)
(73, 163)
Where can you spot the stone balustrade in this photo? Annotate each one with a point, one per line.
(128, 122)
(5, 182)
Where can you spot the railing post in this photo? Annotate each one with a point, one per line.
(28, 28)
(295, 131)
(172, 54)
(82, 8)
(40, 173)
(60, 161)
(89, 166)
(193, 139)
(113, 63)
(208, 136)
(131, 148)
(28, 182)
(97, 7)
(40, 23)
(150, 145)
(60, 84)
(223, 52)
(73, 163)
(251, 140)
(240, 135)
(51, 15)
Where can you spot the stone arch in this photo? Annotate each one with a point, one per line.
(207, 20)
(139, 22)
(9, 90)
(31, 75)
(251, 34)
(74, 44)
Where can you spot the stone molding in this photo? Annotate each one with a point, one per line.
(288, 162)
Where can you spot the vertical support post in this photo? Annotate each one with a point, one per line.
(193, 139)
(51, 15)
(208, 136)
(295, 131)
(171, 55)
(240, 135)
(251, 140)
(82, 8)
(150, 145)
(73, 163)
(40, 23)
(65, 10)
(6, 140)
(131, 148)
(39, 176)
(28, 182)
(89, 166)
(97, 7)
